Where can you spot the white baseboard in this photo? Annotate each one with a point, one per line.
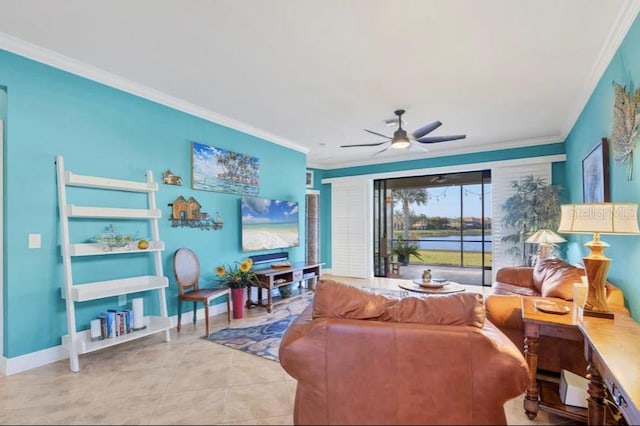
(10, 366)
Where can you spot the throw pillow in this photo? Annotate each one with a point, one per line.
(557, 277)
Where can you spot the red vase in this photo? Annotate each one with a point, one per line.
(237, 299)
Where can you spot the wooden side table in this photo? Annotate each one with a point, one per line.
(612, 348)
(543, 394)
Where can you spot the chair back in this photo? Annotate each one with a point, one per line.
(186, 269)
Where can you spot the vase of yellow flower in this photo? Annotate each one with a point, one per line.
(237, 278)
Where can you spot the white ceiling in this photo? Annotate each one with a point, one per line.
(312, 74)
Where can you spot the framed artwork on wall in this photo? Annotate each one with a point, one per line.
(595, 174)
(216, 169)
(309, 178)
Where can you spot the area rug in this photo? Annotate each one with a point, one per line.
(261, 334)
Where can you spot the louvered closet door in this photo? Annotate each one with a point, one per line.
(350, 228)
(501, 180)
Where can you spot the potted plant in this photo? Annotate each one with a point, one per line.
(534, 205)
(404, 249)
(237, 278)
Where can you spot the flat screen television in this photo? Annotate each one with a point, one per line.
(269, 224)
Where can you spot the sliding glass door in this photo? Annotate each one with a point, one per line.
(447, 218)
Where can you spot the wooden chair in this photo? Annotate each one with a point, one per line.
(186, 268)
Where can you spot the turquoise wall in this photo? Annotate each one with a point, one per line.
(102, 131)
(594, 123)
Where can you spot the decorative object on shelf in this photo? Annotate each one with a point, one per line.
(285, 291)
(595, 174)
(143, 244)
(534, 205)
(216, 169)
(547, 240)
(111, 239)
(404, 249)
(598, 218)
(169, 178)
(187, 213)
(626, 129)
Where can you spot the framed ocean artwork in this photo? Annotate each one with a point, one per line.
(217, 169)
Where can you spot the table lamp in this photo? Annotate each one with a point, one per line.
(598, 218)
(545, 238)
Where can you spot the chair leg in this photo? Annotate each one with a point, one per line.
(206, 317)
(179, 313)
(195, 309)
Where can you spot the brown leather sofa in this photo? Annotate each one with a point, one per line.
(552, 278)
(364, 358)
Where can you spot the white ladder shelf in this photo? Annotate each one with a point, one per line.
(79, 342)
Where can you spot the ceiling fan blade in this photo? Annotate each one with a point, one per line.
(426, 129)
(377, 134)
(382, 150)
(364, 144)
(433, 139)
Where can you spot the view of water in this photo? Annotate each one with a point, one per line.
(471, 243)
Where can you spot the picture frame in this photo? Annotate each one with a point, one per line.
(595, 174)
(221, 170)
(309, 178)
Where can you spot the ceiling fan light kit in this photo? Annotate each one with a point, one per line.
(402, 140)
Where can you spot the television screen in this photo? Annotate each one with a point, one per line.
(269, 224)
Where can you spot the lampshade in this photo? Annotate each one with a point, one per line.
(602, 218)
(545, 236)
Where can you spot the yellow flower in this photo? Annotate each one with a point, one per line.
(245, 266)
(220, 271)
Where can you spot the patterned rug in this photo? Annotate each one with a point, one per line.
(261, 334)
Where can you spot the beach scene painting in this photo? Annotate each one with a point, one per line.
(269, 224)
(216, 169)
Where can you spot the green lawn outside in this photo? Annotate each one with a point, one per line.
(450, 257)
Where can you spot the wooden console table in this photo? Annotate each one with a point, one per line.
(612, 348)
(543, 394)
(270, 278)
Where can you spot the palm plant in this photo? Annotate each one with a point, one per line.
(534, 205)
(406, 197)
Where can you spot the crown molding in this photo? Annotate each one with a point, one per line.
(626, 16)
(443, 151)
(65, 63)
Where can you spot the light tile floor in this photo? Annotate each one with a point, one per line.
(186, 381)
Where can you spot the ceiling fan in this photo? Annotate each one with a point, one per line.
(402, 140)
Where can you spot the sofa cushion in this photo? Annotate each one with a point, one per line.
(333, 299)
(556, 277)
(338, 300)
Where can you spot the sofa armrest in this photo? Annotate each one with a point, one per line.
(517, 275)
(615, 298)
(504, 311)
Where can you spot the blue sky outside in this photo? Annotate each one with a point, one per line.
(445, 201)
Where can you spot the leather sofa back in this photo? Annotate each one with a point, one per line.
(357, 361)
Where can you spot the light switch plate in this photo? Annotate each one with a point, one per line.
(35, 241)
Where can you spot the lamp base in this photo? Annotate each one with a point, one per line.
(598, 314)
